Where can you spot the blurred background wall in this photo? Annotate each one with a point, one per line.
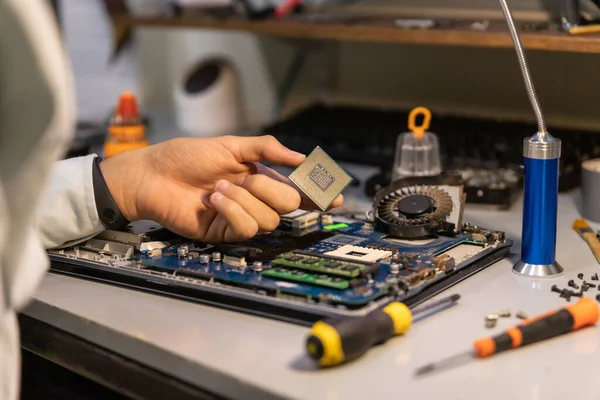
(463, 81)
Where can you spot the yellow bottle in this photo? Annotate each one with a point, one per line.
(126, 130)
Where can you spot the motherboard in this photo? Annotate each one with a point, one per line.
(412, 245)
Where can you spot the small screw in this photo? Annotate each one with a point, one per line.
(595, 277)
(598, 297)
(566, 294)
(490, 324)
(504, 313)
(580, 276)
(585, 287)
(556, 289)
(521, 315)
(491, 320)
(589, 284)
(573, 284)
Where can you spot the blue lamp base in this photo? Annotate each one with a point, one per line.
(538, 270)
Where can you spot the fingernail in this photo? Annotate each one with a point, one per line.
(296, 154)
(221, 186)
(216, 197)
(240, 181)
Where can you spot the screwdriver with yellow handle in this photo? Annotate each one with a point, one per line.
(551, 324)
(335, 341)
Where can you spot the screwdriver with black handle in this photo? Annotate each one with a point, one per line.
(335, 341)
(551, 324)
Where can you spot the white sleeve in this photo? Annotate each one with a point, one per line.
(68, 211)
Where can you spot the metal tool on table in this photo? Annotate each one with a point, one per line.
(540, 183)
(571, 318)
(337, 340)
(572, 21)
(589, 236)
(571, 15)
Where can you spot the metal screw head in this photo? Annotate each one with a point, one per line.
(580, 276)
(491, 320)
(257, 266)
(521, 315)
(573, 284)
(595, 277)
(566, 294)
(585, 287)
(556, 289)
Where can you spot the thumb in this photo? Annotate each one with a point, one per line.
(263, 148)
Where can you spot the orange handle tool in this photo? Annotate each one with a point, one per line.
(575, 316)
(419, 131)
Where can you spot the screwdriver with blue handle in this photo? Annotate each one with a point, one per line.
(335, 341)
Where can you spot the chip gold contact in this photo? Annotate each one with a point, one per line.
(320, 178)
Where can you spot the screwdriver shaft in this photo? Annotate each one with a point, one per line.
(435, 304)
(450, 362)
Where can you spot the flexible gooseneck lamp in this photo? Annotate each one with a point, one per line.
(540, 183)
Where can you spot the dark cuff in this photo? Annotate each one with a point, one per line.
(109, 213)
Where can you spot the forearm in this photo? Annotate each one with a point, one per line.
(68, 211)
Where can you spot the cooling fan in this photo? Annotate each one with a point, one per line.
(416, 208)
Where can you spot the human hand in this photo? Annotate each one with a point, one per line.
(212, 189)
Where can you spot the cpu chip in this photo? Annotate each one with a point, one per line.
(320, 178)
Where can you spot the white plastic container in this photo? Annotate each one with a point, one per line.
(208, 99)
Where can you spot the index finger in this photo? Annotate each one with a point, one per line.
(262, 148)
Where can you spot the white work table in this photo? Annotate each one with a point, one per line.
(245, 357)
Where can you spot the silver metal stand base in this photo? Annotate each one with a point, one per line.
(553, 270)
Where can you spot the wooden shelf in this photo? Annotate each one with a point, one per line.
(380, 31)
